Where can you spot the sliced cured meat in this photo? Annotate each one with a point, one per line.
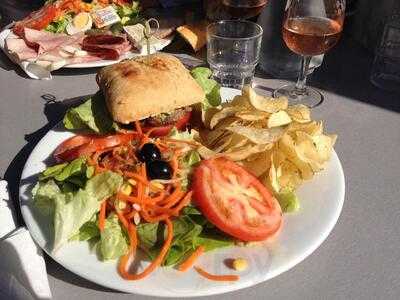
(45, 41)
(20, 49)
(104, 39)
(106, 46)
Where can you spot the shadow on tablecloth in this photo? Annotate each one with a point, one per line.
(345, 71)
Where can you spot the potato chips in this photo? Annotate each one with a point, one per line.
(278, 143)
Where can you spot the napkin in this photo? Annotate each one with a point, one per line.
(22, 268)
(32, 69)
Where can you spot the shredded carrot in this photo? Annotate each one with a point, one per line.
(102, 215)
(174, 197)
(216, 277)
(158, 198)
(174, 165)
(182, 204)
(152, 219)
(137, 177)
(140, 192)
(90, 161)
(144, 140)
(122, 219)
(183, 267)
(98, 169)
(131, 214)
(149, 132)
(132, 238)
(122, 267)
(138, 128)
(126, 198)
(161, 145)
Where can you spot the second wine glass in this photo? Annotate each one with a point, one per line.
(310, 27)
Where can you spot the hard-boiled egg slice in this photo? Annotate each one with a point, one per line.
(80, 23)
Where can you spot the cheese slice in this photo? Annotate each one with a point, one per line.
(136, 36)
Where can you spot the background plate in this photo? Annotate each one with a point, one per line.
(93, 64)
(321, 204)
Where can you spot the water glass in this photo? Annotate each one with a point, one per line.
(233, 48)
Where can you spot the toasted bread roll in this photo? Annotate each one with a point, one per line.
(147, 86)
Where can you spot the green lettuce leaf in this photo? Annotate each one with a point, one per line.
(210, 87)
(191, 159)
(288, 201)
(188, 235)
(44, 195)
(69, 176)
(129, 13)
(188, 161)
(151, 238)
(88, 231)
(113, 240)
(64, 171)
(182, 135)
(52, 171)
(73, 209)
(212, 239)
(60, 25)
(91, 115)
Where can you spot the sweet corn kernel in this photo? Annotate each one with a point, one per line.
(132, 182)
(239, 264)
(126, 189)
(121, 205)
(156, 184)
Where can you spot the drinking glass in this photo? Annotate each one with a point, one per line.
(310, 27)
(233, 49)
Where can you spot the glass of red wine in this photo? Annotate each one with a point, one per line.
(310, 27)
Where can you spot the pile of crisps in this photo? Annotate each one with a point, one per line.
(278, 143)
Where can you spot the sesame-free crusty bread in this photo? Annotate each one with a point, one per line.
(147, 86)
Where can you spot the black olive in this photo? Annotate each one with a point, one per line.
(158, 169)
(149, 152)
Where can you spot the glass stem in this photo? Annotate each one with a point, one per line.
(301, 81)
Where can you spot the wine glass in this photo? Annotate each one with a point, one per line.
(310, 27)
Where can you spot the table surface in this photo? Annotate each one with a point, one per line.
(361, 257)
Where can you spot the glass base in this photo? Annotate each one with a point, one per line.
(309, 97)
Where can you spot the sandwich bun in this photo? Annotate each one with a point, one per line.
(147, 86)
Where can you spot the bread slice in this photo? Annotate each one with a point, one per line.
(147, 86)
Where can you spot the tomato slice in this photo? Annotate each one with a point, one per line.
(235, 201)
(81, 145)
(165, 130)
(38, 19)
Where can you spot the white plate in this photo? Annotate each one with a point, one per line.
(321, 204)
(93, 64)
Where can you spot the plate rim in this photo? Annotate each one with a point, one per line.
(323, 235)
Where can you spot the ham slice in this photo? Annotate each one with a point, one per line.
(20, 49)
(106, 46)
(45, 41)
